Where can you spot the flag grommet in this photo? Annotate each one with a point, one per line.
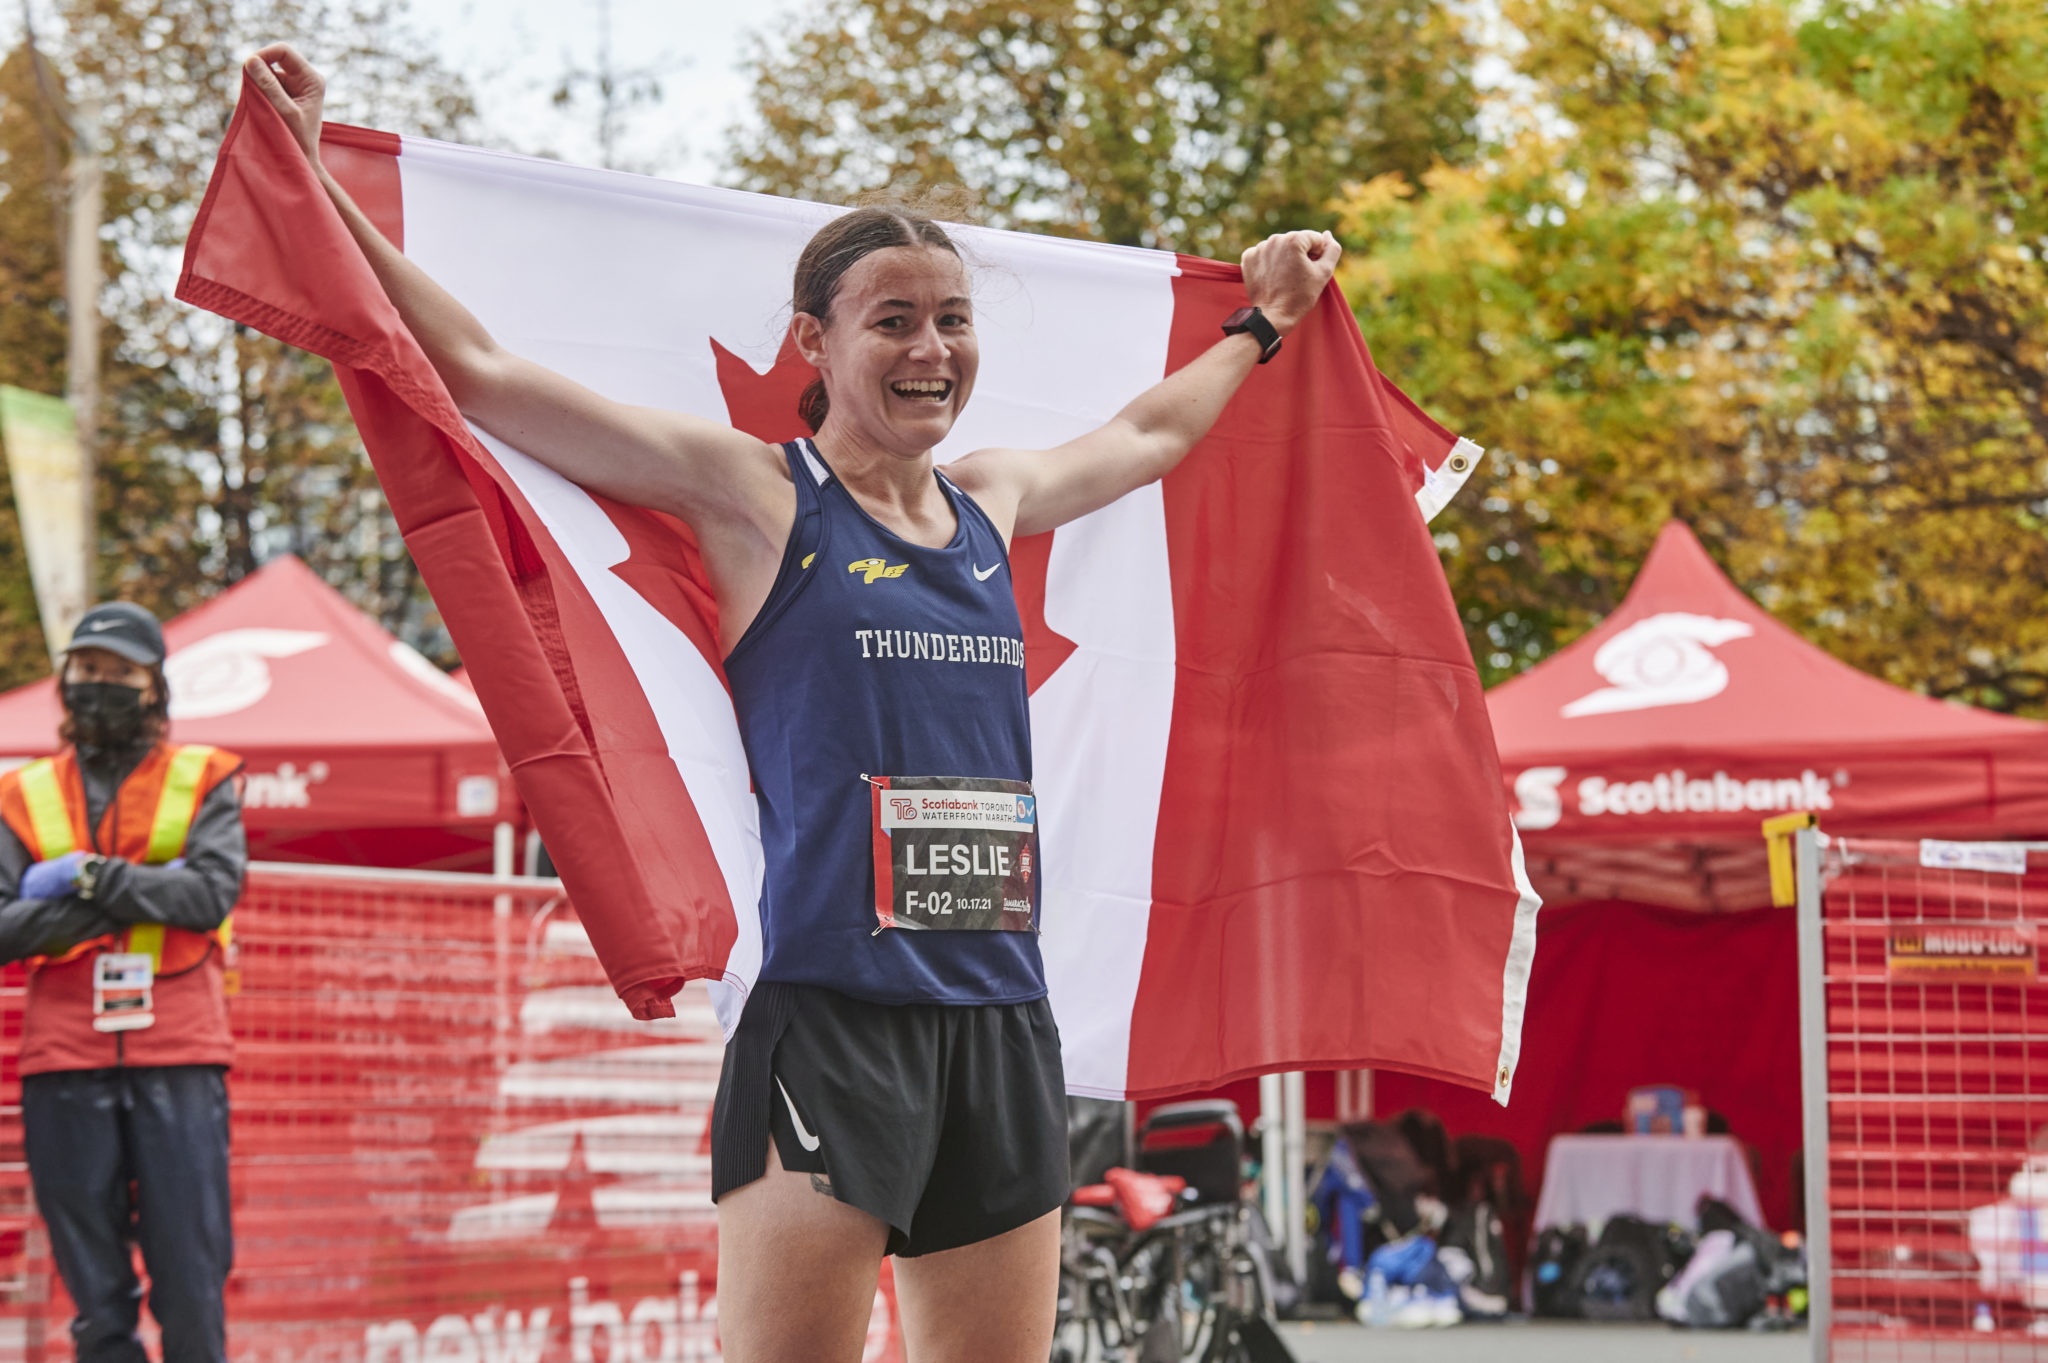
(1459, 463)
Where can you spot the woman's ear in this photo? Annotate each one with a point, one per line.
(809, 334)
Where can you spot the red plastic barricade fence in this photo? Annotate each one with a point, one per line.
(452, 1144)
(1937, 1100)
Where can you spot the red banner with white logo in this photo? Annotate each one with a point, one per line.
(451, 1142)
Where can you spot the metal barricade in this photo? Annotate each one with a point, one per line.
(1925, 1054)
(451, 1142)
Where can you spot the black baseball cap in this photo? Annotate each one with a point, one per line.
(123, 628)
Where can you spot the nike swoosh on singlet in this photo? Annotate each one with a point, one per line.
(984, 574)
(803, 1135)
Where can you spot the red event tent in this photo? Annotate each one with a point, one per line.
(358, 749)
(1643, 759)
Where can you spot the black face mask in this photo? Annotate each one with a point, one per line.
(104, 714)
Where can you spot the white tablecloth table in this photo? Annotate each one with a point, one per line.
(1659, 1178)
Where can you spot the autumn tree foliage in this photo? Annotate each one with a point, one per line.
(220, 448)
(1775, 268)
(1198, 125)
(32, 337)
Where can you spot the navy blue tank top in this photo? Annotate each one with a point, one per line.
(873, 655)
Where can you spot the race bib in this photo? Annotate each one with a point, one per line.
(954, 852)
(121, 984)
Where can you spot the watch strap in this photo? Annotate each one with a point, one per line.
(1253, 322)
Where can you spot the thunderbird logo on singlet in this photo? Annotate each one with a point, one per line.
(953, 852)
(873, 568)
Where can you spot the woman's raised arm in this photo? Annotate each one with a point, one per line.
(719, 480)
(1029, 491)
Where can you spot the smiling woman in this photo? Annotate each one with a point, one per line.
(894, 1083)
(916, 261)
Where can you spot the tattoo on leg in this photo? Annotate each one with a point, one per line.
(821, 1184)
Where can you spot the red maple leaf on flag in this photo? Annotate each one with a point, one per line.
(1044, 650)
(663, 563)
(764, 405)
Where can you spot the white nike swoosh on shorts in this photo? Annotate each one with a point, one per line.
(984, 574)
(803, 1135)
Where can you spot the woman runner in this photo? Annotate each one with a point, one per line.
(887, 1091)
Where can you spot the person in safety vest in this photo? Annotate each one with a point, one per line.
(120, 858)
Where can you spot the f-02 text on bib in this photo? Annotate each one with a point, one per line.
(954, 852)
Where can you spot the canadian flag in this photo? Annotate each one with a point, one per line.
(1274, 830)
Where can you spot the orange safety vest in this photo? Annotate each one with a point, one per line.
(146, 822)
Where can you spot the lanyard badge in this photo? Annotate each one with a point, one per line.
(121, 987)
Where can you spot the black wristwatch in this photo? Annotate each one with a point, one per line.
(88, 878)
(1254, 321)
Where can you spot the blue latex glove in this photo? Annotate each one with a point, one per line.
(51, 879)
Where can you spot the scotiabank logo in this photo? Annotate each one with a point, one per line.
(1539, 804)
(1667, 659)
(290, 786)
(1674, 792)
(1540, 798)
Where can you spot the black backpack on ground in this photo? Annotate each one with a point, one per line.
(1552, 1266)
(1619, 1278)
(1729, 1293)
(1489, 1169)
(1782, 1269)
(1476, 1230)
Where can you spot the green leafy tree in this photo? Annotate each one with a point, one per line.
(1198, 125)
(31, 326)
(219, 447)
(1774, 267)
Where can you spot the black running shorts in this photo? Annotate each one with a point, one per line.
(947, 1122)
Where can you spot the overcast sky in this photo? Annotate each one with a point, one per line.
(514, 53)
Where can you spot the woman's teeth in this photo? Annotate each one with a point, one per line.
(922, 390)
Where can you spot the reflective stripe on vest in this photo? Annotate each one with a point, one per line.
(48, 815)
(177, 804)
(147, 939)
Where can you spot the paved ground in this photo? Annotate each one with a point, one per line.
(1539, 1342)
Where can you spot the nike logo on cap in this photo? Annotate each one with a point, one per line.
(109, 624)
(984, 574)
(803, 1135)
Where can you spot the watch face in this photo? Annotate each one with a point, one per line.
(1237, 321)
